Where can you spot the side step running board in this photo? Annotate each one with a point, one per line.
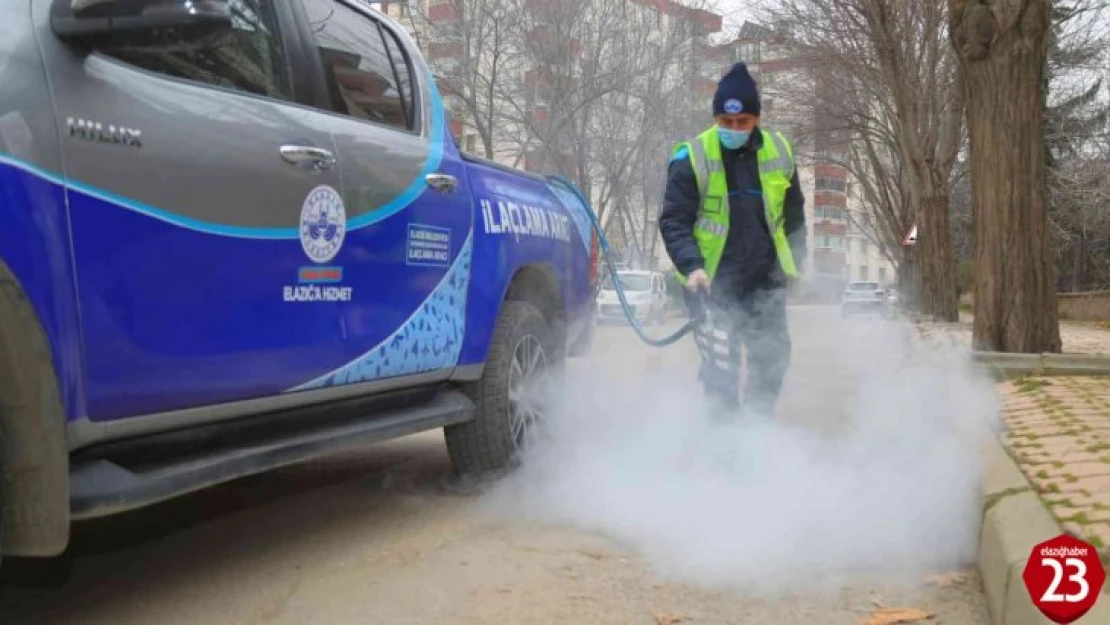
(100, 487)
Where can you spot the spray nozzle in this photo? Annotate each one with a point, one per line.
(701, 307)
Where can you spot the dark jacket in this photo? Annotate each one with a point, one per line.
(749, 261)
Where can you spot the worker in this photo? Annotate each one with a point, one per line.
(733, 224)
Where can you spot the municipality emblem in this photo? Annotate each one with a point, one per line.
(323, 224)
(733, 106)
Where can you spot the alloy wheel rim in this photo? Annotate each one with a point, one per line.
(527, 370)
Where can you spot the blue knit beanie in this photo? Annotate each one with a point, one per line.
(736, 93)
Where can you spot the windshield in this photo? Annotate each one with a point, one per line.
(630, 282)
(864, 286)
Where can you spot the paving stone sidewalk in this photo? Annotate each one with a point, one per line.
(1059, 434)
(1077, 337)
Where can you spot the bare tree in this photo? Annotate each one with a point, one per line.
(471, 48)
(1077, 152)
(590, 107)
(891, 80)
(1002, 46)
(1075, 139)
(596, 90)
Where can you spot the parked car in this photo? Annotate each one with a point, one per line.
(863, 297)
(645, 291)
(252, 247)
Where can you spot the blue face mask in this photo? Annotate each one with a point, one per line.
(732, 139)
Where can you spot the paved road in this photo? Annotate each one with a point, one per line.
(637, 511)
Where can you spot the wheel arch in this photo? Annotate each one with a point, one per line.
(539, 284)
(34, 460)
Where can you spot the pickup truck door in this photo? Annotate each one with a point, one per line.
(408, 203)
(191, 176)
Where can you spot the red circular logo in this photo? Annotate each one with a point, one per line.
(1064, 577)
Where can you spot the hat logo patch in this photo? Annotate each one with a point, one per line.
(733, 106)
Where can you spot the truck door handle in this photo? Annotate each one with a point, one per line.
(308, 157)
(443, 183)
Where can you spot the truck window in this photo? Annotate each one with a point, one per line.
(403, 69)
(357, 64)
(248, 58)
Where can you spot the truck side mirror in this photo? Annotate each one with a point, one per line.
(138, 22)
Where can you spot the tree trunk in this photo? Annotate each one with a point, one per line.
(1002, 48)
(909, 283)
(935, 264)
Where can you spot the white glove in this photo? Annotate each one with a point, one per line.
(698, 280)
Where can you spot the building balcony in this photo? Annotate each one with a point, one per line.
(829, 228)
(443, 11)
(547, 45)
(831, 171)
(830, 198)
(446, 49)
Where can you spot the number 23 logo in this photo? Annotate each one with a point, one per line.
(1079, 577)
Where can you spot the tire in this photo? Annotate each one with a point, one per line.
(493, 442)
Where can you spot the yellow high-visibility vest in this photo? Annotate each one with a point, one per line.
(776, 169)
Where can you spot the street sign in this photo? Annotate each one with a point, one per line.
(1064, 578)
(911, 238)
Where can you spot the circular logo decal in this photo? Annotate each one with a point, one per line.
(323, 224)
(733, 106)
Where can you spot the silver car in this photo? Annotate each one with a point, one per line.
(863, 297)
(645, 291)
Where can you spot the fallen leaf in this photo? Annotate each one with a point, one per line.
(890, 616)
(667, 618)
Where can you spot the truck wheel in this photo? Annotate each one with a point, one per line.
(522, 354)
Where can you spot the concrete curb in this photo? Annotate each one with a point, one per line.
(1043, 364)
(1014, 520)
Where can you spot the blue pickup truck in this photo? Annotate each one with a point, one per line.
(238, 234)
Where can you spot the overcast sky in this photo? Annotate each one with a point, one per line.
(734, 12)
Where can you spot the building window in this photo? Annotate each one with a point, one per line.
(830, 242)
(863, 246)
(882, 274)
(830, 213)
(863, 272)
(831, 184)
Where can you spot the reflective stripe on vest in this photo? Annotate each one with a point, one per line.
(776, 169)
(712, 226)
